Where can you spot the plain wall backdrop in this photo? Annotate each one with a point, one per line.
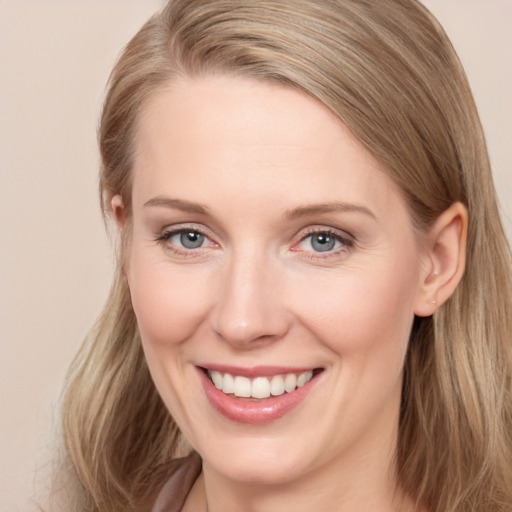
(55, 259)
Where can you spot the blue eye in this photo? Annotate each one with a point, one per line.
(188, 239)
(183, 240)
(322, 242)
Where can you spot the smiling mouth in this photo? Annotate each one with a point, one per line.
(259, 387)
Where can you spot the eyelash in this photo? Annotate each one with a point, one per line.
(165, 236)
(346, 242)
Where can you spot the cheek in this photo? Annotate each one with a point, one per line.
(365, 322)
(365, 313)
(169, 302)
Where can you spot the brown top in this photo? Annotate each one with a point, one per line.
(183, 474)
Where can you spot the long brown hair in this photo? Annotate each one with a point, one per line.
(388, 71)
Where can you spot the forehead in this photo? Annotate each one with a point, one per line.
(256, 140)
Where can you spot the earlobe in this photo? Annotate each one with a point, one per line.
(118, 211)
(445, 257)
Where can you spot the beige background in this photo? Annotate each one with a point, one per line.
(55, 263)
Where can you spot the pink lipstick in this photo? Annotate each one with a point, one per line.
(256, 395)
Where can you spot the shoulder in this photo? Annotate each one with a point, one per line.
(182, 475)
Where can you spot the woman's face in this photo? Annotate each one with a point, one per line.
(269, 250)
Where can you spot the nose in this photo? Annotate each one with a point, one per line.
(249, 308)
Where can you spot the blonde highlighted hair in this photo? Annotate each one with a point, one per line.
(388, 71)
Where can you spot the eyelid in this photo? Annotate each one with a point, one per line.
(346, 239)
(168, 232)
(180, 228)
(318, 229)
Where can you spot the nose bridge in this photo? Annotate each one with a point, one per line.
(249, 306)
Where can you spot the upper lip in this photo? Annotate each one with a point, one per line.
(257, 371)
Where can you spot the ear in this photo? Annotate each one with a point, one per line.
(445, 259)
(118, 211)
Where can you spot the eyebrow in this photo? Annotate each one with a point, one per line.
(295, 213)
(177, 204)
(316, 209)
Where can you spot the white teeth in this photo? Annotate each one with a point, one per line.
(242, 387)
(303, 378)
(228, 384)
(217, 379)
(290, 382)
(259, 387)
(277, 385)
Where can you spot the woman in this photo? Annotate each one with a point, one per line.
(313, 284)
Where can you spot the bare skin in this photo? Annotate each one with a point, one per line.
(265, 234)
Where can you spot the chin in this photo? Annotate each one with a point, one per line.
(258, 460)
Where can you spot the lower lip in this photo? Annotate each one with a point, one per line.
(253, 412)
